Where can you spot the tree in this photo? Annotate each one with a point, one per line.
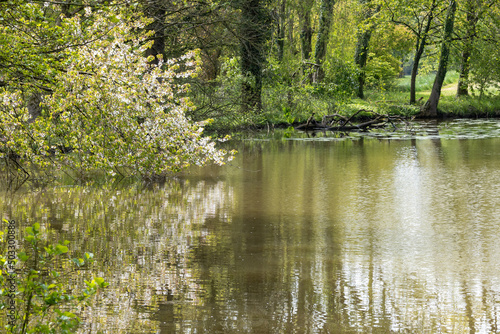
(280, 20)
(474, 12)
(418, 17)
(156, 11)
(430, 107)
(389, 46)
(361, 54)
(181, 26)
(306, 31)
(325, 20)
(254, 33)
(485, 57)
(106, 107)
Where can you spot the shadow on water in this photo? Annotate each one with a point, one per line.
(374, 233)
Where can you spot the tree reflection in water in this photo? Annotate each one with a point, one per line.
(340, 236)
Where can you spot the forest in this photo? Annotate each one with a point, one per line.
(128, 86)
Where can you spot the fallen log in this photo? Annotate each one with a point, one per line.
(311, 124)
(337, 122)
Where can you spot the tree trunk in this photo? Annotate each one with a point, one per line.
(280, 29)
(419, 51)
(360, 58)
(254, 32)
(210, 67)
(430, 107)
(471, 22)
(463, 79)
(361, 53)
(156, 12)
(306, 34)
(290, 32)
(325, 19)
(414, 70)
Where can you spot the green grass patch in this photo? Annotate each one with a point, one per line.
(470, 107)
(424, 82)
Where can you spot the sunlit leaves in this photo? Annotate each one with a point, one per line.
(87, 258)
(38, 286)
(108, 109)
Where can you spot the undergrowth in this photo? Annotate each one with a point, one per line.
(290, 106)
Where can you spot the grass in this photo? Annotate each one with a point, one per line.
(424, 82)
(395, 100)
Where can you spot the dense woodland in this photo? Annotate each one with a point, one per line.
(269, 55)
(127, 86)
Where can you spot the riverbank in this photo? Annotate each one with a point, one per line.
(284, 107)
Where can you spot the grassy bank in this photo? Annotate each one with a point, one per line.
(289, 106)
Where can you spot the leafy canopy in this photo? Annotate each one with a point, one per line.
(103, 104)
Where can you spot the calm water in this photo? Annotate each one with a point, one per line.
(299, 234)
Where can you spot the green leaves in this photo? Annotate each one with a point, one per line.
(33, 230)
(38, 288)
(95, 86)
(57, 249)
(22, 256)
(97, 282)
(87, 258)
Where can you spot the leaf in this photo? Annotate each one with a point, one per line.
(61, 249)
(114, 19)
(100, 281)
(88, 256)
(78, 262)
(22, 256)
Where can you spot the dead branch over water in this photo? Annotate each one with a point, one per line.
(337, 122)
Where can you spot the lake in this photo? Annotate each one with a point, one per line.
(326, 233)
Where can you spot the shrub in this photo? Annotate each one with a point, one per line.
(33, 284)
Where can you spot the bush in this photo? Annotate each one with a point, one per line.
(341, 80)
(33, 288)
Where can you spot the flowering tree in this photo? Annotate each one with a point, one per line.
(103, 105)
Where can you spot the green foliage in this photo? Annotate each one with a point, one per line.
(29, 38)
(286, 94)
(340, 80)
(389, 46)
(406, 110)
(485, 69)
(289, 105)
(487, 106)
(221, 100)
(33, 284)
(107, 107)
(346, 17)
(228, 84)
(381, 71)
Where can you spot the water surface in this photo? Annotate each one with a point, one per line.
(382, 233)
